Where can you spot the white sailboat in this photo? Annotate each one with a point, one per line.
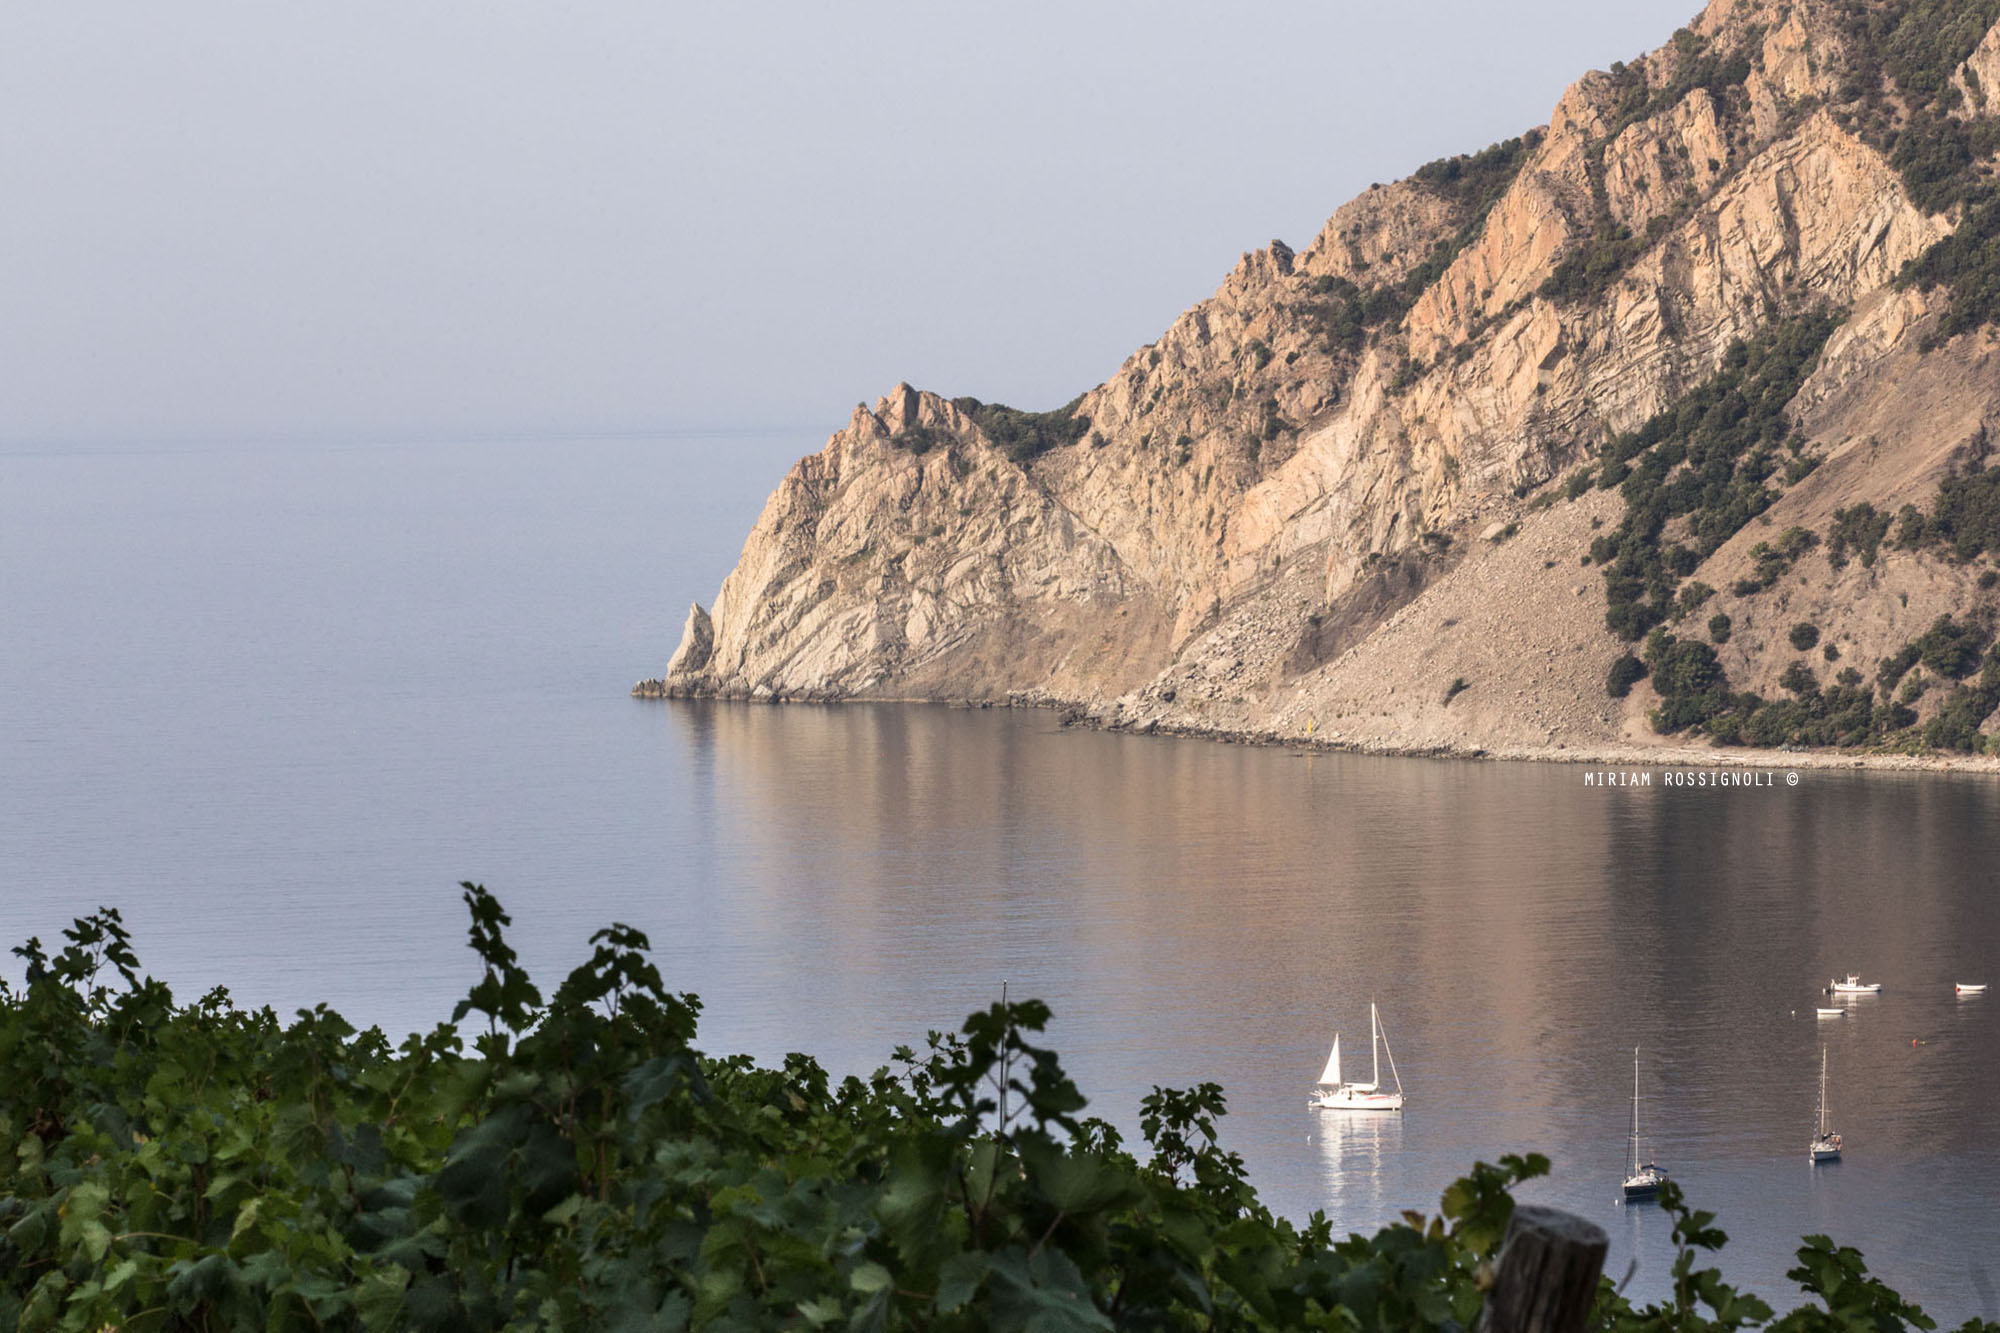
(1853, 985)
(1645, 1181)
(1825, 1144)
(1330, 1094)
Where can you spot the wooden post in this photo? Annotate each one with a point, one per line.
(1546, 1277)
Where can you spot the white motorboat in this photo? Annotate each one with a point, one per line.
(1826, 1143)
(1969, 988)
(1852, 985)
(1831, 1013)
(1645, 1181)
(1331, 1094)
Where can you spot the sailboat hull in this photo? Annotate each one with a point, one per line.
(1645, 1184)
(1350, 1099)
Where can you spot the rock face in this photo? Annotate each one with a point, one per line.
(1336, 487)
(697, 644)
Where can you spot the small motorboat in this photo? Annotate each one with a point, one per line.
(1852, 985)
(1831, 1013)
(1968, 988)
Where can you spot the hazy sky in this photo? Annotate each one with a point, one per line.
(364, 218)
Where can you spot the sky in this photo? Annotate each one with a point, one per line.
(359, 218)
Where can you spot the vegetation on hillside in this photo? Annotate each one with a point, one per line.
(1964, 522)
(1023, 436)
(1705, 465)
(1899, 96)
(168, 1166)
(1609, 247)
(1347, 312)
(1844, 711)
(1026, 435)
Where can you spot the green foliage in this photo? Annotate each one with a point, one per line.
(1625, 672)
(1937, 153)
(1952, 649)
(920, 439)
(1025, 436)
(1593, 264)
(1845, 713)
(1692, 597)
(1608, 248)
(1347, 313)
(1804, 636)
(1474, 182)
(1799, 679)
(1838, 714)
(1914, 45)
(1967, 262)
(1957, 722)
(1719, 626)
(1775, 559)
(1698, 63)
(1688, 679)
(1457, 687)
(1893, 667)
(1965, 515)
(1706, 457)
(198, 1167)
(1917, 45)
(1857, 528)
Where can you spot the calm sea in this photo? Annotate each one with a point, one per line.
(275, 700)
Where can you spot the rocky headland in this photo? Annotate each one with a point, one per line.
(1658, 433)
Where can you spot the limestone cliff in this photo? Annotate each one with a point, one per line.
(1353, 494)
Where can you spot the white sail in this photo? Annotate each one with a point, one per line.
(1331, 1074)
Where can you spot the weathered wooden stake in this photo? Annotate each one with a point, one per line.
(1546, 1277)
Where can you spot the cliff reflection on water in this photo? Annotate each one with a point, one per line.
(1207, 912)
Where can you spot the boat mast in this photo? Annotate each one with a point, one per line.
(1374, 1045)
(1635, 1110)
(1822, 1092)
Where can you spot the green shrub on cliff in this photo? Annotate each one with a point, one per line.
(1025, 436)
(1706, 458)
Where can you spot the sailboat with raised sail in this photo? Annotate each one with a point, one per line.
(1330, 1094)
(1825, 1144)
(1645, 1181)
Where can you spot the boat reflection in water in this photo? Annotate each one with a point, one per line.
(1352, 1151)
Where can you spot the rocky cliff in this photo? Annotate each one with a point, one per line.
(1571, 442)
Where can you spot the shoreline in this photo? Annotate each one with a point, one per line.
(1610, 755)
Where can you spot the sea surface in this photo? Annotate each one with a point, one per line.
(274, 700)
